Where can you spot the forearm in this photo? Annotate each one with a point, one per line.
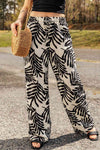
(22, 14)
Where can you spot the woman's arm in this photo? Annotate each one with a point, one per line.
(21, 18)
(24, 10)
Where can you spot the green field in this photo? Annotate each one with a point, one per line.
(5, 38)
(86, 38)
(82, 39)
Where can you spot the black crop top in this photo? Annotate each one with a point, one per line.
(57, 6)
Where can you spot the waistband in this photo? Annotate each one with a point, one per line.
(56, 19)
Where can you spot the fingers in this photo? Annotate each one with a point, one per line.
(20, 24)
(14, 27)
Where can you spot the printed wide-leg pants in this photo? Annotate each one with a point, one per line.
(52, 43)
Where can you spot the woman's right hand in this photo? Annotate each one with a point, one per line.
(14, 26)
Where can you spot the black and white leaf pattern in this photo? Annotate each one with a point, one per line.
(69, 58)
(36, 63)
(65, 91)
(58, 65)
(36, 92)
(38, 33)
(46, 114)
(29, 74)
(45, 57)
(73, 118)
(65, 32)
(37, 126)
(53, 36)
(74, 78)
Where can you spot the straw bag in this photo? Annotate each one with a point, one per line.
(21, 43)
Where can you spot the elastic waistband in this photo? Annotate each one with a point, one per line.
(48, 17)
(53, 18)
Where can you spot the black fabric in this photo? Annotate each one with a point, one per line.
(57, 6)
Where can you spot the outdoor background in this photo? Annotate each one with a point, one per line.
(83, 17)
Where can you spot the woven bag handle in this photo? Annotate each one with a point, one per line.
(28, 13)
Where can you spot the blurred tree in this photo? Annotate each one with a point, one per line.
(96, 10)
(3, 5)
(76, 11)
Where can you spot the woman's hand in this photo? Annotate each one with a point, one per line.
(21, 17)
(14, 26)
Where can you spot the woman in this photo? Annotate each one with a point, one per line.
(52, 43)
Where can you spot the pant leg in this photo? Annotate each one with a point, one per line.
(36, 77)
(63, 62)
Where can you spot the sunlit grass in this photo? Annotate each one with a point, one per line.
(82, 39)
(5, 38)
(86, 38)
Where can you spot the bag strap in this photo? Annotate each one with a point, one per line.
(28, 13)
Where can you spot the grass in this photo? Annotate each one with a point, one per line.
(80, 39)
(86, 38)
(5, 38)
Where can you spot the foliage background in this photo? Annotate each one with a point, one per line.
(76, 11)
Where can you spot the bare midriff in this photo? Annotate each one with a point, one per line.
(44, 14)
